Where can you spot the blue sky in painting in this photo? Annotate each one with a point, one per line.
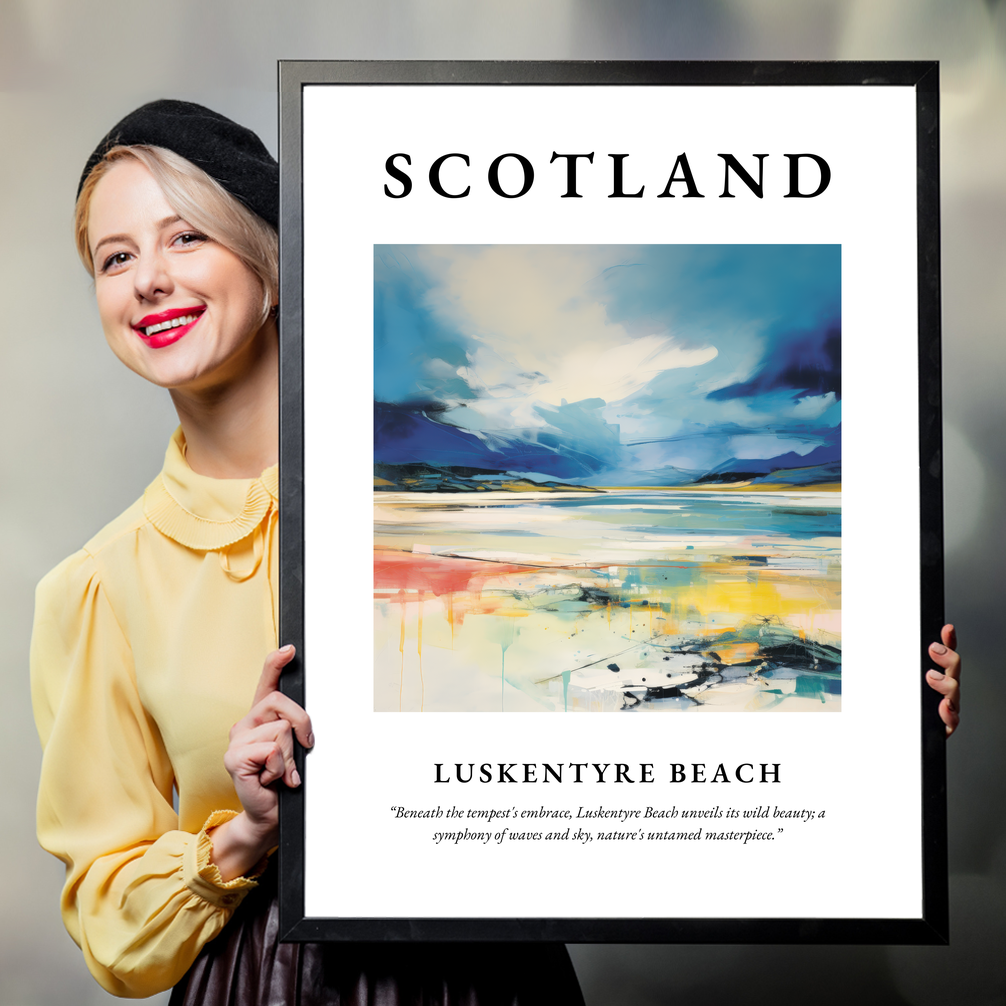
(608, 365)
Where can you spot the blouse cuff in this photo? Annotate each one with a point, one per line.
(202, 876)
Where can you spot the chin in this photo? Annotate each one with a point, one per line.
(170, 374)
(195, 365)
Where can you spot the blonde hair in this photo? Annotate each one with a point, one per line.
(199, 200)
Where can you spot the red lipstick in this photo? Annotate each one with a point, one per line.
(165, 333)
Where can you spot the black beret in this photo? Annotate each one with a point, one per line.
(231, 154)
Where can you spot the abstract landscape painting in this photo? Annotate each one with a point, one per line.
(607, 478)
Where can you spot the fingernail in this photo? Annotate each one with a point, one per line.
(936, 676)
(938, 648)
(310, 740)
(287, 649)
(295, 777)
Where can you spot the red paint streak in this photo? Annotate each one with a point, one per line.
(419, 651)
(438, 574)
(401, 649)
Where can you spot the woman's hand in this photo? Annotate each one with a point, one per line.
(260, 753)
(947, 682)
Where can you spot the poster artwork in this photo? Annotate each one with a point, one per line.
(607, 478)
(618, 445)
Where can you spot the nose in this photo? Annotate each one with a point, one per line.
(152, 276)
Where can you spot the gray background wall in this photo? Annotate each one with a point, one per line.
(81, 436)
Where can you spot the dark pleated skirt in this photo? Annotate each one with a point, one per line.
(246, 965)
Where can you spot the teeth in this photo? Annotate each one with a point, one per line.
(174, 323)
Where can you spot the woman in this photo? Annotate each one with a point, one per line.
(148, 643)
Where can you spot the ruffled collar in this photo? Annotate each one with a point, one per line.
(203, 513)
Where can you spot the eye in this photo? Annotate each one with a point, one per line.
(189, 239)
(115, 261)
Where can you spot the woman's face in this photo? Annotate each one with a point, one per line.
(177, 308)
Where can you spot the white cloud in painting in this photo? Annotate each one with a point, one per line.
(638, 423)
(746, 355)
(541, 337)
(438, 368)
(813, 406)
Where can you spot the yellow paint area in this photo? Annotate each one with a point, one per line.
(537, 618)
(737, 653)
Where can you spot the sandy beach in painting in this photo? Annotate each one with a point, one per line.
(624, 600)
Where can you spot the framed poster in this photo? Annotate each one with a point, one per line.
(611, 501)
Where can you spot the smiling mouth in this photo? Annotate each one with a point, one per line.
(166, 324)
(185, 319)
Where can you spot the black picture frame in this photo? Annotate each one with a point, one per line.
(931, 927)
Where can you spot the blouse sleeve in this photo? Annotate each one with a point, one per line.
(141, 898)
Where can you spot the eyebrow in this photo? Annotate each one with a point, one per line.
(111, 238)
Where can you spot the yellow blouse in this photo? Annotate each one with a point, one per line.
(147, 647)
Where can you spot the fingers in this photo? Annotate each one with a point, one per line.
(279, 764)
(948, 658)
(949, 712)
(261, 749)
(949, 688)
(265, 751)
(949, 636)
(270, 703)
(950, 716)
(277, 706)
(271, 759)
(262, 761)
(947, 681)
(271, 671)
